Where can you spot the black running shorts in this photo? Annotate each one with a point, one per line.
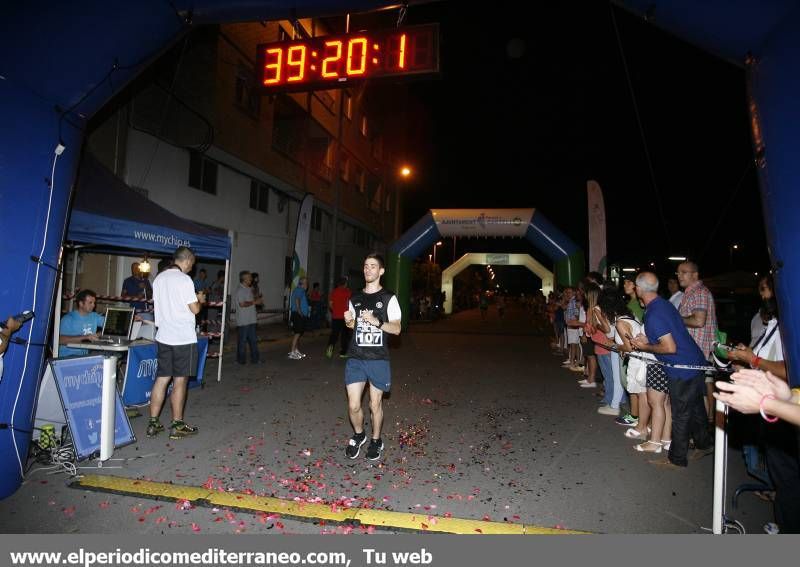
(177, 360)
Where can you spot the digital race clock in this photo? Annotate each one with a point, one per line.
(332, 61)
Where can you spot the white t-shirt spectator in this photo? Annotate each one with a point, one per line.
(676, 299)
(769, 346)
(173, 291)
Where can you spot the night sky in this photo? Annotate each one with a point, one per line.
(533, 101)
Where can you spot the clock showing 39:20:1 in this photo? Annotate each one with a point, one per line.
(327, 62)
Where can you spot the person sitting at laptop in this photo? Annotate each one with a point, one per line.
(80, 324)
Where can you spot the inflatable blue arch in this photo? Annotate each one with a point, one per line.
(60, 63)
(567, 257)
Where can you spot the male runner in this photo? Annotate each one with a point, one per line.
(372, 314)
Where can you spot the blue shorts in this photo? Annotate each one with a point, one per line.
(376, 372)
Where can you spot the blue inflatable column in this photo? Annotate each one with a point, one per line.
(568, 260)
(33, 218)
(774, 83)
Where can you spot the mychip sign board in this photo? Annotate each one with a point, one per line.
(80, 386)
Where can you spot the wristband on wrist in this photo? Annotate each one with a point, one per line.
(755, 361)
(767, 418)
(796, 392)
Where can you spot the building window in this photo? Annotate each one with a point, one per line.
(358, 176)
(259, 196)
(316, 219)
(326, 100)
(344, 167)
(202, 173)
(320, 151)
(288, 127)
(375, 192)
(360, 236)
(245, 95)
(348, 105)
(377, 147)
(363, 128)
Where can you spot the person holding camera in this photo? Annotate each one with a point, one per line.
(11, 326)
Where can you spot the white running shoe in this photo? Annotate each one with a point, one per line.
(295, 356)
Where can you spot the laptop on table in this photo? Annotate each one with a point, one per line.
(117, 326)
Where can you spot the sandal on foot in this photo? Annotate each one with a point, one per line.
(633, 433)
(648, 447)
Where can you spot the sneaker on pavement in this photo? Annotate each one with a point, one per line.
(627, 420)
(577, 368)
(589, 385)
(329, 351)
(584, 381)
(607, 410)
(354, 445)
(300, 354)
(180, 429)
(294, 356)
(375, 449)
(566, 363)
(154, 427)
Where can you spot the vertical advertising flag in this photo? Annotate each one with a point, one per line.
(300, 257)
(597, 228)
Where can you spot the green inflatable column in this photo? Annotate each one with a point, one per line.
(398, 280)
(570, 270)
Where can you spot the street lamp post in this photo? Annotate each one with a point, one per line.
(435, 246)
(405, 173)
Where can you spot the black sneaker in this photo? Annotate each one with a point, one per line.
(154, 427)
(354, 445)
(180, 429)
(375, 449)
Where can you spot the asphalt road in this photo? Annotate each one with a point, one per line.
(482, 423)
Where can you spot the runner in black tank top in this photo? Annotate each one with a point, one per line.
(374, 314)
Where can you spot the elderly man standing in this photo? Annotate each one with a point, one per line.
(246, 319)
(667, 338)
(176, 305)
(700, 318)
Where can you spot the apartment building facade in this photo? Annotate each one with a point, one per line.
(194, 135)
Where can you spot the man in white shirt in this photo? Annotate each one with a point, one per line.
(675, 292)
(176, 305)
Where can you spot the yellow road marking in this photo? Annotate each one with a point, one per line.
(201, 496)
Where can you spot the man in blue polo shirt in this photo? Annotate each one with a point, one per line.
(667, 338)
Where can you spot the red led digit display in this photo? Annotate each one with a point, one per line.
(328, 62)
